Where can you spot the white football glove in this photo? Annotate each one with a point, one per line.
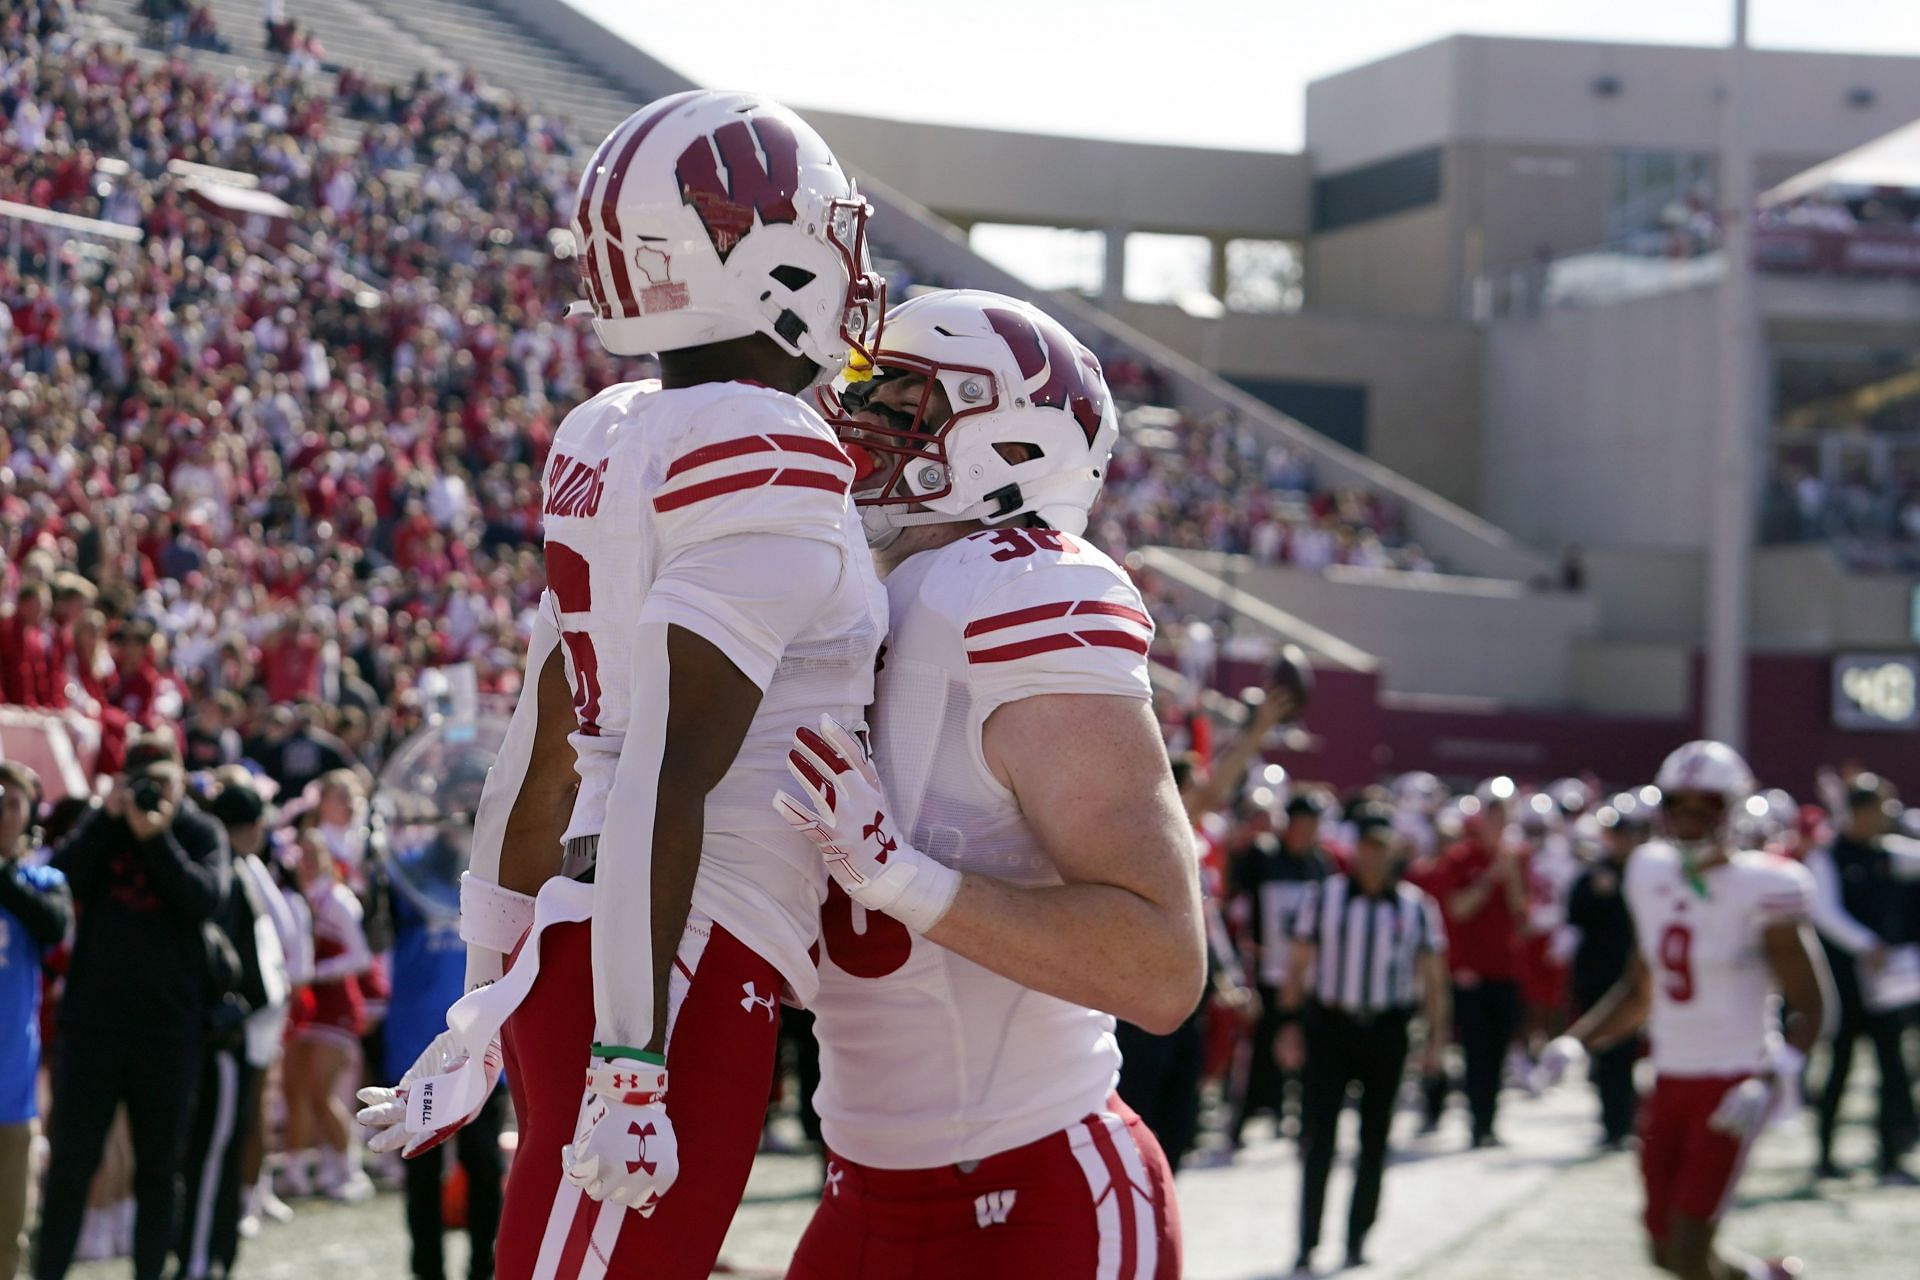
(623, 1146)
(1561, 1053)
(440, 1093)
(1770, 1098)
(850, 822)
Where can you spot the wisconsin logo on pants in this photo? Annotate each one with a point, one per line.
(991, 1209)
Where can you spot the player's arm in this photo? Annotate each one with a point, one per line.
(523, 811)
(1621, 1012)
(1224, 774)
(1124, 932)
(1806, 986)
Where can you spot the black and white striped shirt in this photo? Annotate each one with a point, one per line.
(1368, 947)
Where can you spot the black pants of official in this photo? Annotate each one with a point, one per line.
(97, 1071)
(1485, 1018)
(222, 1116)
(478, 1148)
(1894, 1119)
(1266, 1086)
(1160, 1080)
(1611, 1073)
(1343, 1051)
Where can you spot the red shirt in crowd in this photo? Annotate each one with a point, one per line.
(27, 677)
(1485, 944)
(290, 668)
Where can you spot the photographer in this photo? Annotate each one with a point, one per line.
(149, 871)
(35, 910)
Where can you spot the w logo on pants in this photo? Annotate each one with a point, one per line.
(991, 1209)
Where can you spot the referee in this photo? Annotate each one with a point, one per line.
(1379, 948)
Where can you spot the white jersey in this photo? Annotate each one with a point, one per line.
(1551, 871)
(722, 509)
(928, 1059)
(1712, 988)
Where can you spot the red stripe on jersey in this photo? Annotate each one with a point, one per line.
(711, 489)
(1063, 640)
(1033, 613)
(1115, 640)
(1113, 611)
(812, 480)
(791, 478)
(717, 453)
(1121, 1188)
(814, 445)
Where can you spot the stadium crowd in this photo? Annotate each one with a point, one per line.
(262, 480)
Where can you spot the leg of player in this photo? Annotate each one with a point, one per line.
(722, 1035)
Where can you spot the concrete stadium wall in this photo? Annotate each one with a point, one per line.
(1598, 420)
(1804, 600)
(1398, 266)
(989, 175)
(1451, 637)
(1421, 378)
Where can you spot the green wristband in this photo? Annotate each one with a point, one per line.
(626, 1051)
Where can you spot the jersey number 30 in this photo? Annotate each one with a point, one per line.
(1676, 958)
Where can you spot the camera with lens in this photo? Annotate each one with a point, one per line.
(148, 791)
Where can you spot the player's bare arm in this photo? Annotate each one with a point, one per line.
(530, 851)
(1806, 985)
(1436, 997)
(1621, 1012)
(710, 704)
(1124, 933)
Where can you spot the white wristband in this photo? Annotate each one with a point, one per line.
(1786, 1062)
(493, 917)
(926, 890)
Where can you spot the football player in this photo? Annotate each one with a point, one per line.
(1717, 931)
(707, 585)
(1015, 870)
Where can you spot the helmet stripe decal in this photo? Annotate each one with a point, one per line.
(591, 186)
(609, 207)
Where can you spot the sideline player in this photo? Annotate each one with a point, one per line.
(1717, 930)
(707, 586)
(1025, 873)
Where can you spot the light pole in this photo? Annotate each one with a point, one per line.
(1730, 532)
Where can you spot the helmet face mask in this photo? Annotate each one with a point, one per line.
(1703, 786)
(1012, 417)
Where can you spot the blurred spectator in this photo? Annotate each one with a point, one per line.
(1861, 913)
(1270, 879)
(242, 1041)
(323, 1147)
(149, 871)
(1603, 928)
(36, 910)
(1480, 883)
(429, 974)
(26, 650)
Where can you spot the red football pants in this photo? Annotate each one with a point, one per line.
(720, 1052)
(1094, 1201)
(1688, 1166)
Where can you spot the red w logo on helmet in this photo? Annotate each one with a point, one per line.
(1073, 381)
(760, 180)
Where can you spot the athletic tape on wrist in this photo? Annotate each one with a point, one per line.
(493, 917)
(637, 1084)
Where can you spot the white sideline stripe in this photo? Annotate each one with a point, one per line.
(1146, 1235)
(225, 1108)
(554, 1242)
(1105, 1204)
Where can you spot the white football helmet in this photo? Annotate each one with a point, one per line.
(1012, 376)
(1707, 766)
(1419, 791)
(712, 215)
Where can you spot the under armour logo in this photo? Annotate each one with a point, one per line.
(872, 831)
(753, 999)
(834, 1174)
(991, 1209)
(625, 1081)
(640, 1161)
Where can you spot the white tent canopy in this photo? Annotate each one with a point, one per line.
(1892, 160)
